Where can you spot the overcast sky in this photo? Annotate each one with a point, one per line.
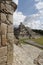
(30, 12)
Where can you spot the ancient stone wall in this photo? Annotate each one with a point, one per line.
(6, 31)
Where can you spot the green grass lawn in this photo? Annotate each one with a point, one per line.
(39, 40)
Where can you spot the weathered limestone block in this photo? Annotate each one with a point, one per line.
(10, 29)
(3, 63)
(0, 27)
(2, 6)
(6, 8)
(3, 51)
(4, 33)
(0, 40)
(0, 34)
(3, 54)
(14, 6)
(9, 8)
(8, 2)
(7, 22)
(10, 38)
(3, 17)
(3, 28)
(4, 40)
(10, 18)
(3, 59)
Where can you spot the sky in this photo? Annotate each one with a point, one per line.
(29, 12)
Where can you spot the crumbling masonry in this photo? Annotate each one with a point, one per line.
(6, 31)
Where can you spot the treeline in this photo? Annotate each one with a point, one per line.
(38, 31)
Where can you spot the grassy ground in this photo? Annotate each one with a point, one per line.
(39, 40)
(21, 41)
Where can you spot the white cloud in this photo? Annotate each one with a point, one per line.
(17, 18)
(39, 5)
(33, 21)
(31, 18)
(16, 1)
(34, 24)
(37, 0)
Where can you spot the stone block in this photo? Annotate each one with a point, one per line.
(10, 38)
(3, 17)
(2, 6)
(4, 40)
(8, 8)
(7, 22)
(4, 34)
(3, 63)
(3, 54)
(3, 51)
(10, 48)
(9, 62)
(3, 28)
(0, 40)
(3, 59)
(14, 6)
(10, 18)
(0, 27)
(8, 2)
(10, 28)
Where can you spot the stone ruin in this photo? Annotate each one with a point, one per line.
(7, 7)
(23, 32)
